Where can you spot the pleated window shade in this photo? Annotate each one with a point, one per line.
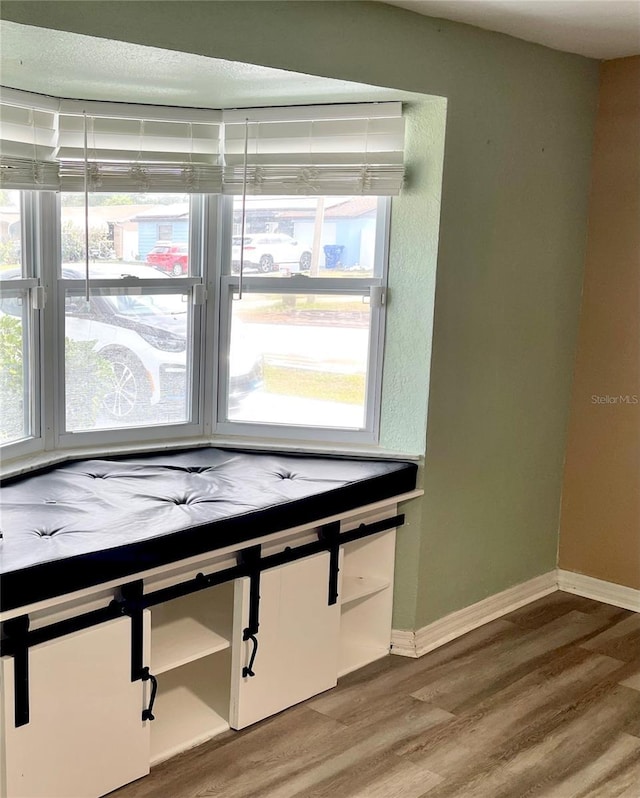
(140, 148)
(317, 150)
(28, 141)
(330, 150)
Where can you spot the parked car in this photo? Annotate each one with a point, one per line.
(169, 257)
(144, 339)
(267, 252)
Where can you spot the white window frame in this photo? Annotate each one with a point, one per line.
(376, 288)
(141, 434)
(29, 283)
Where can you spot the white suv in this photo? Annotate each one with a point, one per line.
(268, 252)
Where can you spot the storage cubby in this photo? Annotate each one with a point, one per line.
(191, 658)
(188, 628)
(366, 598)
(192, 705)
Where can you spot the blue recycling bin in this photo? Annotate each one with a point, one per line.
(332, 255)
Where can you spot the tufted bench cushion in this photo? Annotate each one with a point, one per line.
(91, 521)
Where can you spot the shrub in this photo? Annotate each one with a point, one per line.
(83, 397)
(11, 378)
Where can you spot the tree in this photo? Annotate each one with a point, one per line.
(119, 199)
(96, 199)
(10, 253)
(73, 241)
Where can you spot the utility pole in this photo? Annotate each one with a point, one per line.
(317, 238)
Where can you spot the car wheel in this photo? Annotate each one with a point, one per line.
(305, 261)
(128, 393)
(177, 270)
(266, 264)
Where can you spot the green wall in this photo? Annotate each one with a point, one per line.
(519, 121)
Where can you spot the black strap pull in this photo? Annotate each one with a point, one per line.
(250, 561)
(147, 676)
(16, 631)
(248, 669)
(329, 534)
(132, 599)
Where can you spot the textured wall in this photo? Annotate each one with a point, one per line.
(600, 524)
(511, 250)
(413, 253)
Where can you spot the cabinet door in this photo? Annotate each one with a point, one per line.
(85, 736)
(297, 641)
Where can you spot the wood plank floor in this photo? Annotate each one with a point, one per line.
(543, 703)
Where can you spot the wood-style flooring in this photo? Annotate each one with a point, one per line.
(543, 703)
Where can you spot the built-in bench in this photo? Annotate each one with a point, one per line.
(150, 602)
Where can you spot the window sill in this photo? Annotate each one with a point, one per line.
(33, 462)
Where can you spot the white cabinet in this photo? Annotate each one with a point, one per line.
(85, 736)
(297, 640)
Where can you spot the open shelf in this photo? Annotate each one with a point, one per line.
(183, 640)
(194, 723)
(366, 601)
(354, 655)
(188, 628)
(357, 587)
(192, 706)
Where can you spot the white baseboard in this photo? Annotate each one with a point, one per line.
(415, 644)
(589, 587)
(419, 642)
(403, 643)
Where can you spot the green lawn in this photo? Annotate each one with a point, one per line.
(347, 388)
(278, 303)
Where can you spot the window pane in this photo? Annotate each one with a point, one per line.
(312, 352)
(317, 236)
(14, 367)
(126, 232)
(10, 236)
(126, 357)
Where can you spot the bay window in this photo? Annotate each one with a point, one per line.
(139, 303)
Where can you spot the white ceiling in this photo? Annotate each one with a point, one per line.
(600, 29)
